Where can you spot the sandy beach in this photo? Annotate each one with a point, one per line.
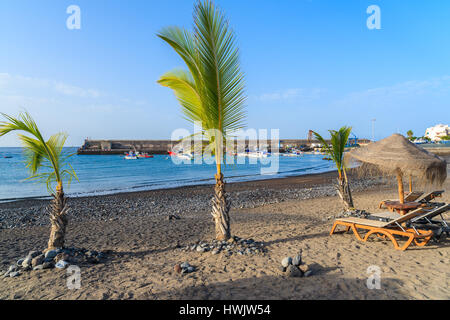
(189, 153)
(288, 214)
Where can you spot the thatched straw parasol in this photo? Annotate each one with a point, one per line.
(396, 155)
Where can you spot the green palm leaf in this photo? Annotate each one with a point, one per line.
(212, 90)
(45, 159)
(337, 147)
(186, 92)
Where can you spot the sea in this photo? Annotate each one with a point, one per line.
(110, 174)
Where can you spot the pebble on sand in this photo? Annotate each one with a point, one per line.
(286, 262)
(297, 260)
(37, 260)
(304, 268)
(308, 273)
(61, 264)
(293, 271)
(52, 253)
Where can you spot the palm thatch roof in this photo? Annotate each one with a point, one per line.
(396, 154)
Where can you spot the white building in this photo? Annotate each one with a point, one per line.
(435, 133)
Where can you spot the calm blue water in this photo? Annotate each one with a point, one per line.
(109, 174)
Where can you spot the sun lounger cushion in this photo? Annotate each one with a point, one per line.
(365, 222)
(386, 215)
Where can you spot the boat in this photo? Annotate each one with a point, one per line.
(257, 154)
(184, 156)
(241, 154)
(420, 141)
(131, 156)
(143, 155)
(293, 153)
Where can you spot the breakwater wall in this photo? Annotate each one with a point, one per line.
(163, 146)
(122, 146)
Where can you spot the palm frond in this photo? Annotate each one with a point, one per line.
(186, 92)
(183, 42)
(213, 90)
(324, 143)
(34, 152)
(222, 77)
(336, 148)
(23, 122)
(45, 159)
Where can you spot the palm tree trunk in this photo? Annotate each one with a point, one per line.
(58, 210)
(220, 209)
(348, 191)
(343, 190)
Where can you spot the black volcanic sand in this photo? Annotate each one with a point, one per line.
(286, 214)
(177, 201)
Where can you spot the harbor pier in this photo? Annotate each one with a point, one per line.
(99, 147)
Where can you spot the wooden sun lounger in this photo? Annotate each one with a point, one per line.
(424, 214)
(431, 196)
(428, 216)
(413, 196)
(384, 229)
(388, 215)
(423, 220)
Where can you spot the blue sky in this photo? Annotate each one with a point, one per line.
(308, 64)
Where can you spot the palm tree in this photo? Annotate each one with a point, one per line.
(48, 155)
(410, 134)
(211, 92)
(336, 152)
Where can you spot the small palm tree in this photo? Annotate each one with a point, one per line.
(49, 155)
(410, 134)
(336, 152)
(211, 92)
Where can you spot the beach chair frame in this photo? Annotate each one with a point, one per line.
(431, 196)
(385, 230)
(429, 215)
(411, 197)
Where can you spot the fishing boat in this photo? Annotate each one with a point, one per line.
(293, 153)
(257, 154)
(181, 155)
(143, 155)
(131, 156)
(420, 141)
(185, 156)
(240, 154)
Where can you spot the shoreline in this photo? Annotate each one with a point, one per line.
(306, 180)
(200, 184)
(178, 200)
